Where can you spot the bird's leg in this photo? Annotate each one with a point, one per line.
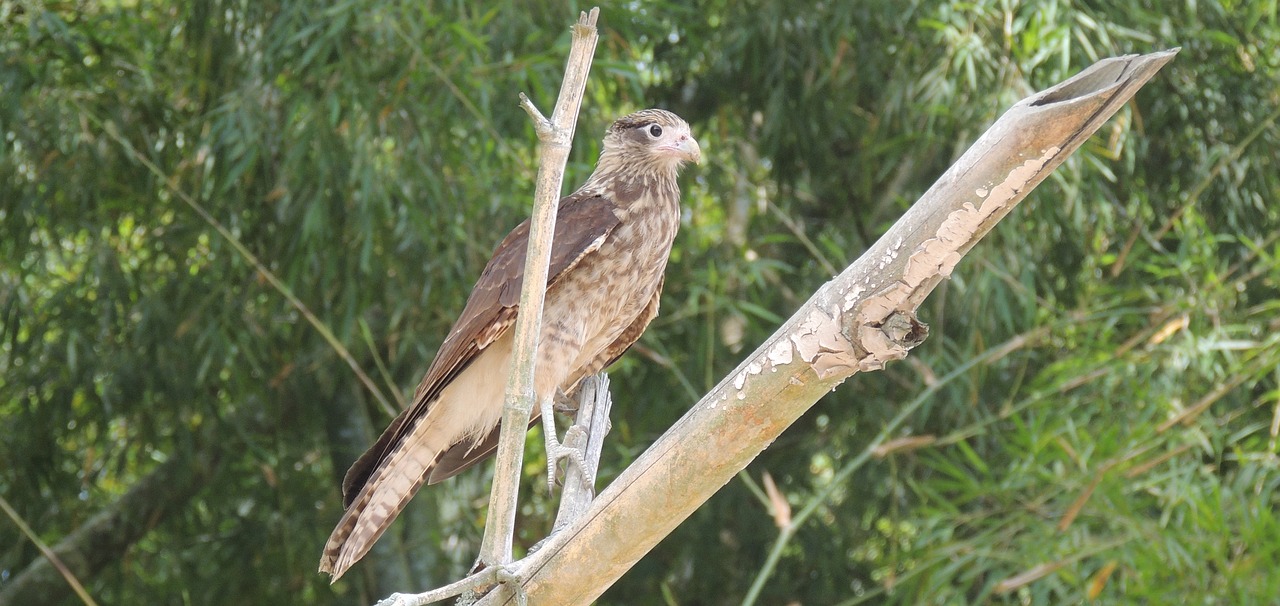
(557, 450)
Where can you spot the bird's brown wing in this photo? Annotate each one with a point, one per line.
(582, 225)
(462, 456)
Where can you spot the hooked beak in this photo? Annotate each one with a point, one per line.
(686, 148)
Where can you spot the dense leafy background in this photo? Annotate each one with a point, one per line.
(1098, 405)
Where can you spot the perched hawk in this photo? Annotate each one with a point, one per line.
(612, 240)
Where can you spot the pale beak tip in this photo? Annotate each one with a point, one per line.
(691, 150)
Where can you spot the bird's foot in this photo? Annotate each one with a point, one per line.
(575, 439)
(556, 451)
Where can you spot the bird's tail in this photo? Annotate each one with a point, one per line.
(395, 480)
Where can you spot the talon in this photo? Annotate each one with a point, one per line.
(556, 450)
(577, 454)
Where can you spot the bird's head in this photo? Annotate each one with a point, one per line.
(653, 138)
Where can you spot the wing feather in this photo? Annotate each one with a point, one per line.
(462, 456)
(583, 223)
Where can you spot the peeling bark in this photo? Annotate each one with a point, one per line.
(859, 321)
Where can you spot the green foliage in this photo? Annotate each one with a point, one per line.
(1098, 402)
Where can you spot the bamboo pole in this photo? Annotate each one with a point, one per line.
(859, 321)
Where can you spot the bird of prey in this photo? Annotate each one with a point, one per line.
(612, 239)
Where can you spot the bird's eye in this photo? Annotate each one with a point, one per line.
(655, 131)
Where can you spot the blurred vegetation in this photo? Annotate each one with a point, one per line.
(1095, 417)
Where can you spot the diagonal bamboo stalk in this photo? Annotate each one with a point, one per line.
(171, 182)
(859, 321)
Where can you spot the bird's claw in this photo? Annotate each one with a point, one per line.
(557, 450)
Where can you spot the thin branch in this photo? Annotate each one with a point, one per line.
(102, 540)
(790, 223)
(858, 322)
(377, 360)
(485, 578)
(1194, 193)
(556, 136)
(171, 183)
(480, 117)
(1203, 404)
(49, 555)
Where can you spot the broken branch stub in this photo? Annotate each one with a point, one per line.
(861, 320)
